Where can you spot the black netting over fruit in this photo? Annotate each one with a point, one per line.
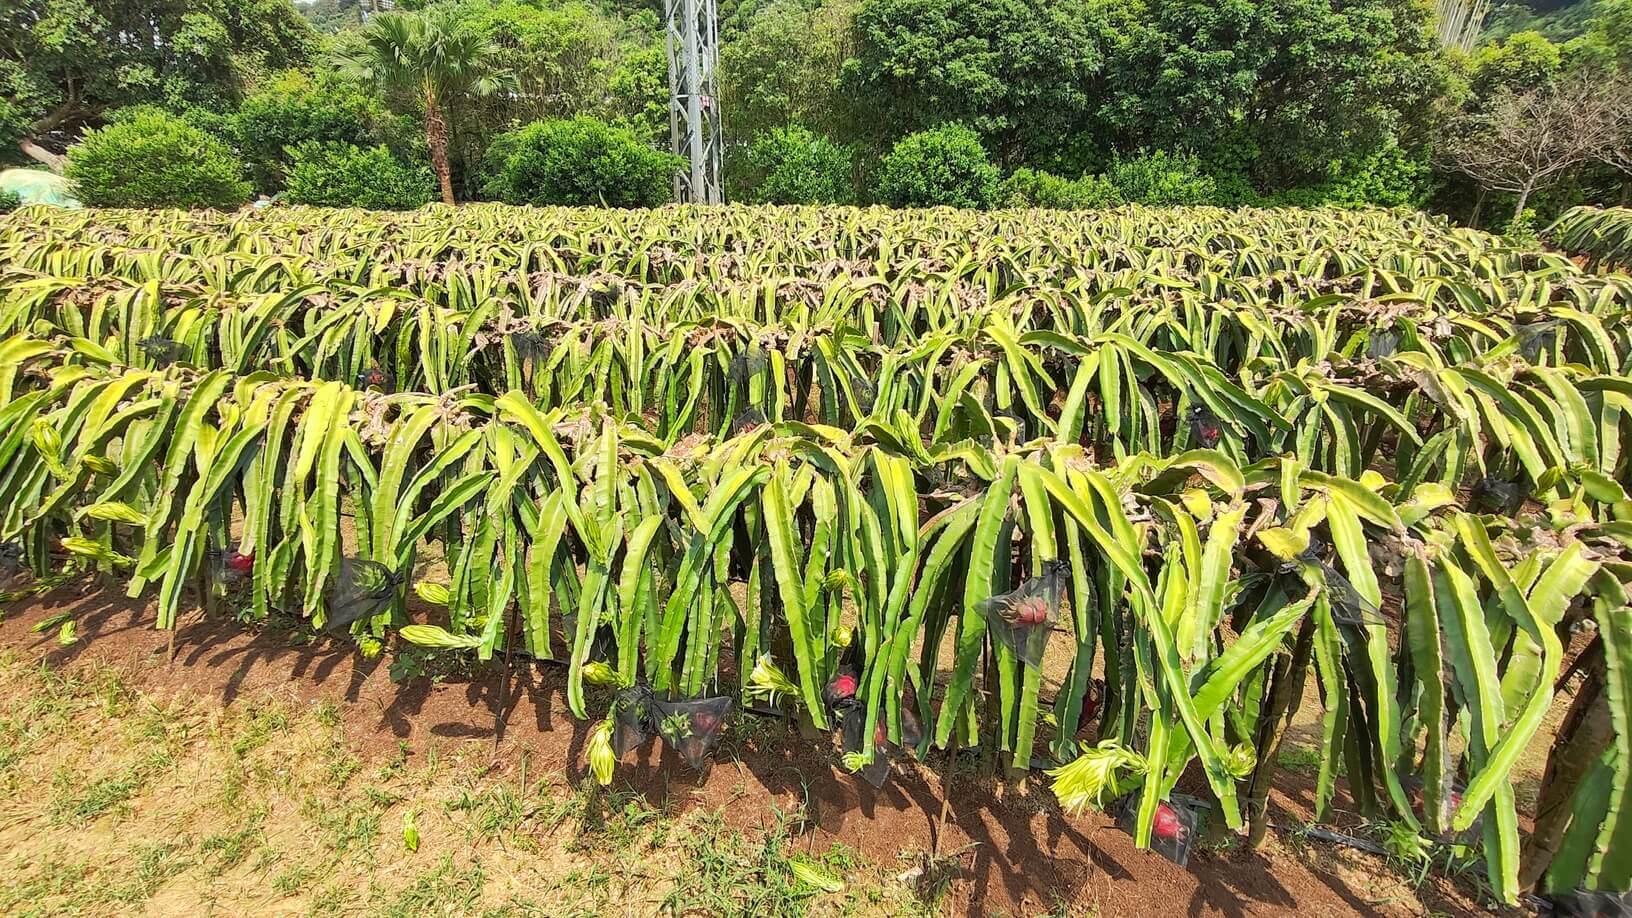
(1206, 430)
(1348, 606)
(1021, 430)
(161, 350)
(1536, 338)
(228, 566)
(1022, 618)
(1174, 831)
(1450, 799)
(854, 726)
(360, 590)
(912, 732)
(375, 377)
(692, 727)
(866, 394)
(747, 421)
(12, 565)
(841, 689)
(531, 345)
(1497, 495)
(748, 363)
(1383, 343)
(1581, 903)
(634, 719)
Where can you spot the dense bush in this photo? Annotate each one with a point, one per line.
(1162, 178)
(154, 159)
(794, 166)
(296, 108)
(1034, 188)
(1391, 177)
(942, 166)
(345, 175)
(9, 201)
(578, 161)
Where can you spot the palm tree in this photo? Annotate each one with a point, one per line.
(435, 58)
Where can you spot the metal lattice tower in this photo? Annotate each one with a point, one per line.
(693, 42)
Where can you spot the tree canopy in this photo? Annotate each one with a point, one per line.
(1303, 101)
(65, 64)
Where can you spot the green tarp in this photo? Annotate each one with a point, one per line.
(36, 186)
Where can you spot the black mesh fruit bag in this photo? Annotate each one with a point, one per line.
(12, 565)
(841, 690)
(374, 377)
(877, 771)
(360, 590)
(1348, 606)
(1536, 339)
(1173, 832)
(692, 727)
(1382, 343)
(1582, 903)
(912, 732)
(161, 350)
(747, 421)
(531, 345)
(633, 719)
(748, 363)
(1491, 494)
(228, 566)
(1022, 618)
(1206, 430)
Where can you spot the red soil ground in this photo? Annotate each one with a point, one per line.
(1027, 857)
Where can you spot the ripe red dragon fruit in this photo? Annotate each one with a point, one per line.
(1090, 700)
(1030, 611)
(843, 686)
(1167, 825)
(240, 563)
(879, 736)
(1206, 426)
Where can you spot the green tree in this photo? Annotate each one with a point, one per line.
(68, 63)
(1518, 63)
(639, 86)
(941, 166)
(1276, 88)
(333, 15)
(150, 158)
(791, 165)
(578, 161)
(783, 67)
(1162, 179)
(1031, 188)
(297, 107)
(344, 175)
(560, 55)
(437, 61)
(1024, 73)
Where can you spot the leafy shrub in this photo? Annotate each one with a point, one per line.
(578, 161)
(9, 201)
(1162, 178)
(155, 159)
(296, 108)
(1391, 177)
(942, 166)
(345, 175)
(795, 166)
(1034, 188)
